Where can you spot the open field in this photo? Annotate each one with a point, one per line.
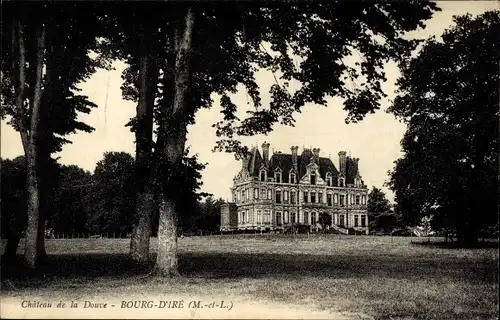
(327, 276)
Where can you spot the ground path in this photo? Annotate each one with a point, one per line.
(241, 308)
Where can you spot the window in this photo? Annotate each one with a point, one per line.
(269, 194)
(285, 216)
(267, 216)
(329, 199)
(356, 222)
(259, 216)
(320, 197)
(262, 175)
(357, 199)
(263, 193)
(328, 180)
(313, 178)
(285, 195)
(292, 217)
(278, 196)
(292, 197)
(363, 221)
(342, 220)
(313, 197)
(292, 178)
(242, 216)
(313, 218)
(278, 219)
(341, 182)
(277, 177)
(306, 217)
(256, 193)
(342, 200)
(306, 196)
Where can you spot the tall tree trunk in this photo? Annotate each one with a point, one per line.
(166, 261)
(144, 188)
(32, 237)
(19, 81)
(44, 174)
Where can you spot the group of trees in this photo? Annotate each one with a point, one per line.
(448, 98)
(179, 55)
(101, 202)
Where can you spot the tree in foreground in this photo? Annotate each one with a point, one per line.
(448, 97)
(44, 56)
(219, 48)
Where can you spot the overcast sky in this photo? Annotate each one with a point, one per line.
(375, 140)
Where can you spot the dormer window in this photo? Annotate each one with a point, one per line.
(313, 178)
(262, 175)
(341, 182)
(357, 182)
(277, 177)
(292, 178)
(329, 179)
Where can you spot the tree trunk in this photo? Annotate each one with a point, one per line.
(166, 261)
(10, 252)
(139, 241)
(19, 81)
(144, 186)
(32, 235)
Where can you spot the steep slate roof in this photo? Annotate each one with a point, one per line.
(326, 165)
(255, 162)
(285, 163)
(351, 170)
(304, 159)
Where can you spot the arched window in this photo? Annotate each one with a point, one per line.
(277, 176)
(329, 179)
(263, 175)
(278, 196)
(293, 178)
(341, 182)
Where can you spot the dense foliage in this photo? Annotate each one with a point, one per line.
(101, 202)
(448, 97)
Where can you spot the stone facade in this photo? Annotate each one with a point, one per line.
(271, 193)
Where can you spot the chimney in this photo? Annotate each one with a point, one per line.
(356, 168)
(295, 162)
(245, 160)
(265, 153)
(342, 161)
(316, 155)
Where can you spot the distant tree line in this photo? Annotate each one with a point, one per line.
(101, 202)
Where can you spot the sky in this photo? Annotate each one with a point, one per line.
(375, 140)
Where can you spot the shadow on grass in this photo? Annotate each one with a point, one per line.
(489, 244)
(86, 268)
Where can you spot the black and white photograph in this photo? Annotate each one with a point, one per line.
(250, 159)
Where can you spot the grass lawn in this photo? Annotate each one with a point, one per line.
(335, 276)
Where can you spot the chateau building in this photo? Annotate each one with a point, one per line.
(271, 193)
